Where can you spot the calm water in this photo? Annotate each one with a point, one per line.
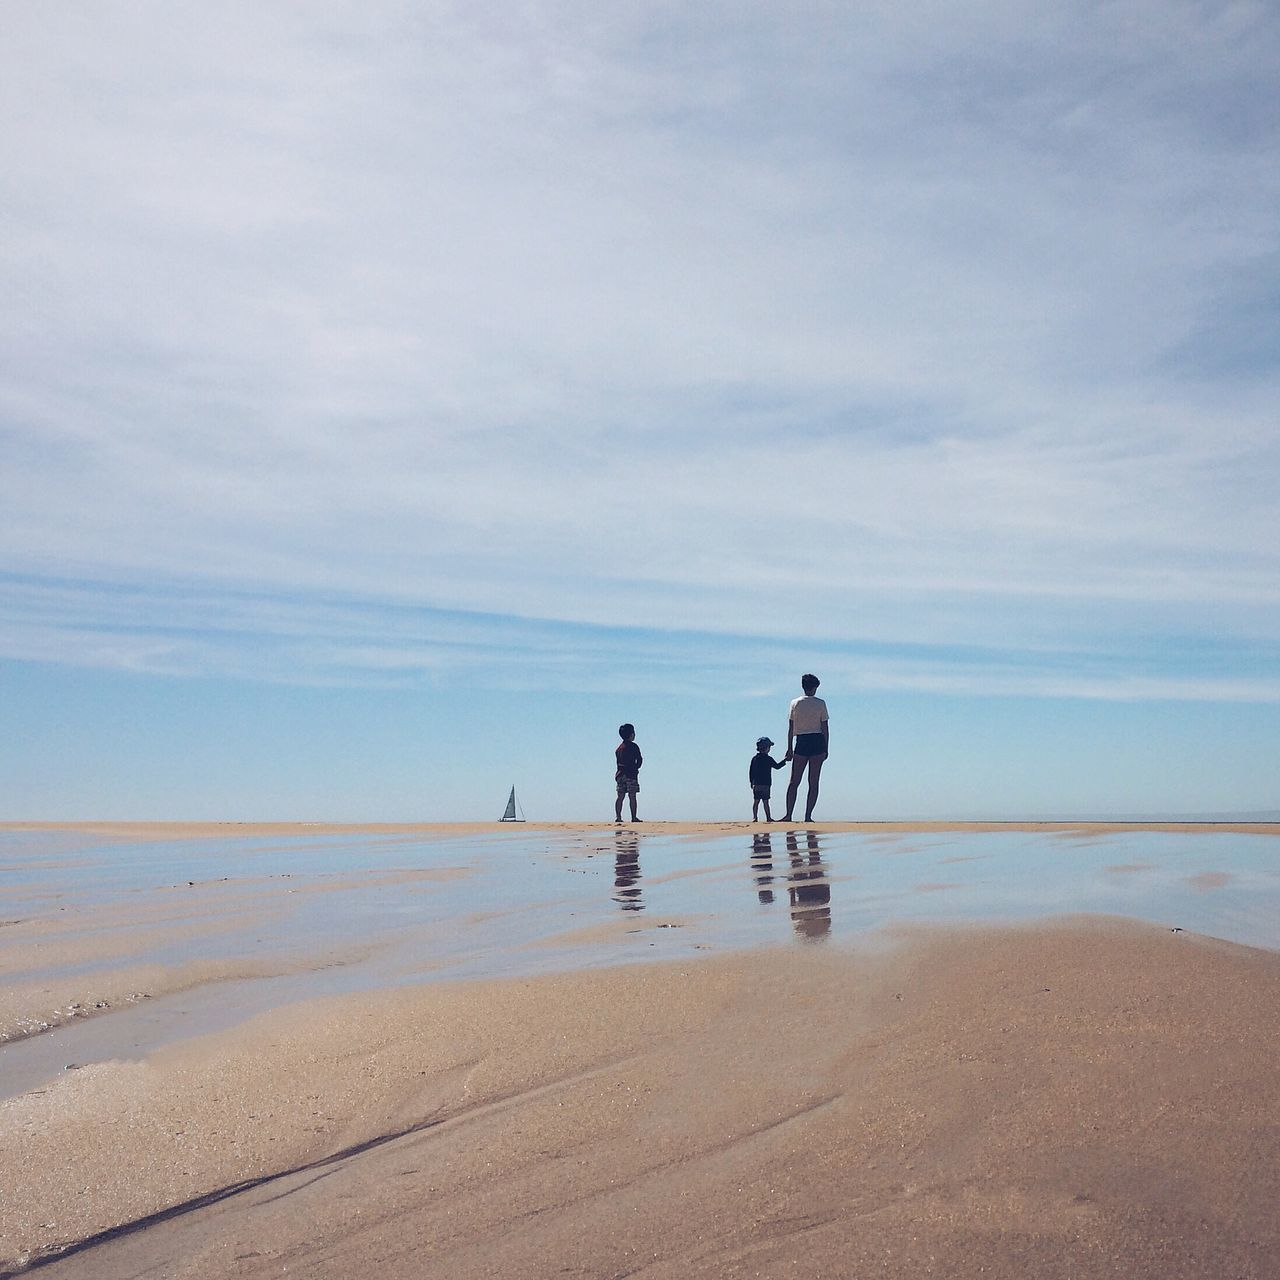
(353, 912)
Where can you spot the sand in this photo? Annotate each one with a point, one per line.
(1086, 1098)
(34, 1007)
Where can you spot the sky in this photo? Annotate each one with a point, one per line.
(394, 397)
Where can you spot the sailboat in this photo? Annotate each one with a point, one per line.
(510, 814)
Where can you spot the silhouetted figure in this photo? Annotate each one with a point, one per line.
(761, 776)
(626, 872)
(808, 888)
(808, 738)
(762, 865)
(627, 775)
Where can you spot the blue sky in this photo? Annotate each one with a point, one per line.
(393, 397)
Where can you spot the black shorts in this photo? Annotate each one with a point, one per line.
(810, 744)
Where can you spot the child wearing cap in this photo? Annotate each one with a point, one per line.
(761, 774)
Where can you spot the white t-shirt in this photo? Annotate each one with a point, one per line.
(807, 715)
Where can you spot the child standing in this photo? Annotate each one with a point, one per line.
(628, 773)
(761, 773)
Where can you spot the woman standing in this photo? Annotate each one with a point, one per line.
(808, 737)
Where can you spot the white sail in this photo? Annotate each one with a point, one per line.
(510, 814)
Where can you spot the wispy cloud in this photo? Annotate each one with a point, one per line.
(166, 629)
(882, 327)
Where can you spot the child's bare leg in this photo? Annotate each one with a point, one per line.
(755, 809)
(617, 808)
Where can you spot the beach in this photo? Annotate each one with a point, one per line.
(415, 414)
(1066, 1095)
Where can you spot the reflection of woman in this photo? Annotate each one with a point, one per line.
(809, 890)
(808, 738)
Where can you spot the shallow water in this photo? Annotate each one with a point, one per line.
(349, 912)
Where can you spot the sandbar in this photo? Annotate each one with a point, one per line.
(1089, 1097)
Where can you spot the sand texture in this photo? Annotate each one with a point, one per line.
(31, 1008)
(1088, 1098)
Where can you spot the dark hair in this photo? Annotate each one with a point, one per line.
(809, 679)
(626, 731)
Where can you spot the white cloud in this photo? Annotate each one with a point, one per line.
(303, 639)
(883, 325)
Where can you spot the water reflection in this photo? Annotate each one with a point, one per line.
(762, 865)
(362, 911)
(626, 871)
(808, 889)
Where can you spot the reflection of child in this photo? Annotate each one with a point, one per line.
(628, 775)
(762, 767)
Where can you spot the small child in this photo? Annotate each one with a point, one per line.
(628, 774)
(762, 767)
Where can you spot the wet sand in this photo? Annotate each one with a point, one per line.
(1085, 1098)
(173, 932)
(34, 1007)
(1091, 1097)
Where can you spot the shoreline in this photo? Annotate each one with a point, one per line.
(180, 944)
(198, 830)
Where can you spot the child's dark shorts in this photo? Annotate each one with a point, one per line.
(761, 790)
(628, 786)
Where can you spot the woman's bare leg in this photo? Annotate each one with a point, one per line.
(815, 772)
(797, 772)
